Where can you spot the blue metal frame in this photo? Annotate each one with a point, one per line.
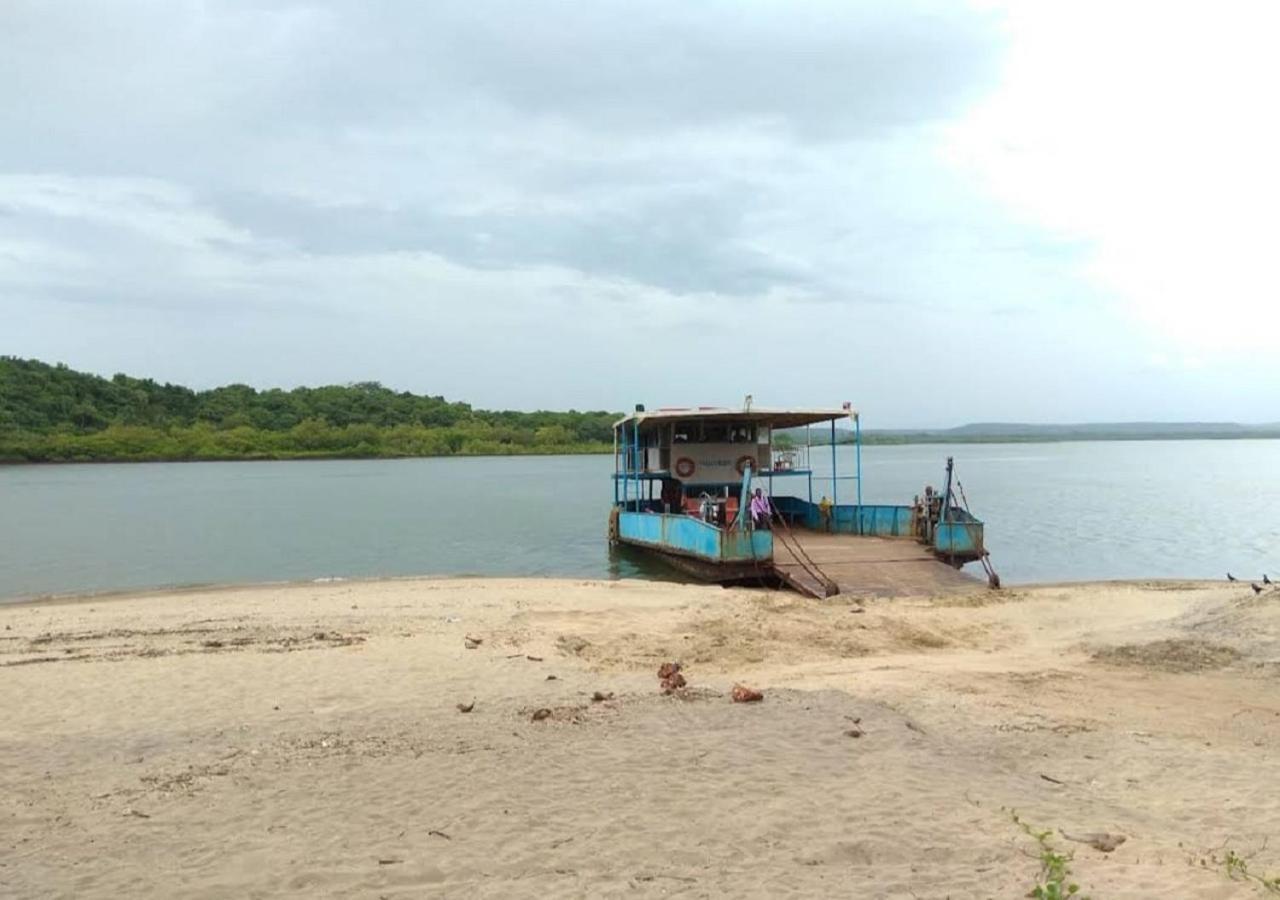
(744, 497)
(627, 468)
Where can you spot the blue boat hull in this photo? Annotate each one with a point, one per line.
(693, 539)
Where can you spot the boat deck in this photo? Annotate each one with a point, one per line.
(865, 566)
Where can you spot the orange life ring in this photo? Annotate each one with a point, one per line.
(685, 467)
(743, 461)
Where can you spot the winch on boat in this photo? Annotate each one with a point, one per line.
(727, 495)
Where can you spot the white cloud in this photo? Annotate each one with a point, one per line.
(156, 210)
(1145, 129)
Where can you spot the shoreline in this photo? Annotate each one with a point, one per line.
(605, 450)
(111, 594)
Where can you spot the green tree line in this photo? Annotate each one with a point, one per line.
(51, 413)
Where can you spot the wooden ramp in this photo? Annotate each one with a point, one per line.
(867, 566)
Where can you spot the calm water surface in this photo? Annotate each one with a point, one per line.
(1053, 512)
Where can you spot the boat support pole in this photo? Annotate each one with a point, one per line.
(944, 515)
(808, 460)
(834, 502)
(635, 431)
(857, 450)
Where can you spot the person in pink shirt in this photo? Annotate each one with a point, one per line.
(760, 512)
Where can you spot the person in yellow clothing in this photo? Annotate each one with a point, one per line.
(824, 512)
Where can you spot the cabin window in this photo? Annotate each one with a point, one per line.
(715, 433)
(742, 433)
(682, 433)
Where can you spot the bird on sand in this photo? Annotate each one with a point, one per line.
(1256, 589)
(1231, 577)
(1265, 579)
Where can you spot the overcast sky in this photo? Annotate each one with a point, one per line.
(944, 213)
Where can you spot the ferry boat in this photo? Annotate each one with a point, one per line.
(727, 495)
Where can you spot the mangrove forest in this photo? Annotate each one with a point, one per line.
(52, 413)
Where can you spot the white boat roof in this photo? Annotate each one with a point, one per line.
(778, 418)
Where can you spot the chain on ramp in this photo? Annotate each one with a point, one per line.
(828, 586)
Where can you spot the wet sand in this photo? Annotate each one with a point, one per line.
(306, 740)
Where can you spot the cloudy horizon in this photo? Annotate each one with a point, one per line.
(1039, 212)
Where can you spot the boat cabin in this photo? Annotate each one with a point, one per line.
(694, 460)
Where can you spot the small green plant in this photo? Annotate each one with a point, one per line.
(1237, 865)
(1054, 882)
(1237, 869)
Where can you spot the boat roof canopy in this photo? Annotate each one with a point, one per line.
(777, 418)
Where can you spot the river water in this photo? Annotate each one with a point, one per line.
(1089, 510)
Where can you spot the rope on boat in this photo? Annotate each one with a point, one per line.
(799, 551)
(755, 564)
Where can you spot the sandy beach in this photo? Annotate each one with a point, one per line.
(307, 740)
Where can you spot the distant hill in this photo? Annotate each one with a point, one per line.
(1139, 430)
(1022, 432)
